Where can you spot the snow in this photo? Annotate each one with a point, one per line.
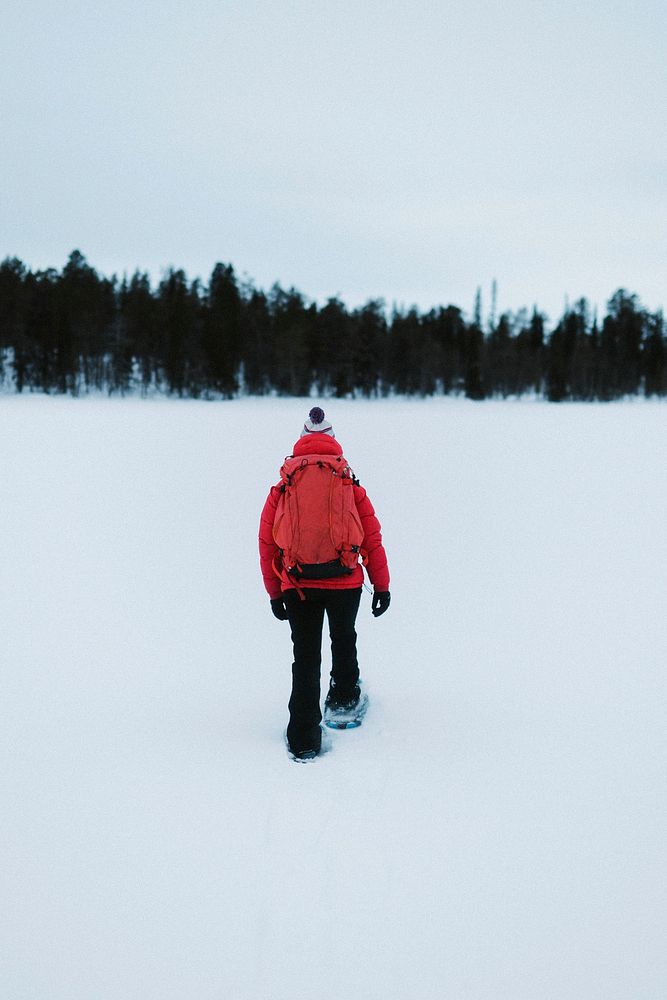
(497, 827)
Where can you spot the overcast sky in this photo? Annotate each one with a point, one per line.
(405, 150)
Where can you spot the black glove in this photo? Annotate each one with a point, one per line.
(279, 609)
(381, 599)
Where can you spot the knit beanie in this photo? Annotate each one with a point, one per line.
(316, 424)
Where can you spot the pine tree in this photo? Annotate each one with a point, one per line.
(291, 324)
(178, 314)
(473, 352)
(12, 278)
(561, 349)
(221, 338)
(500, 358)
(370, 346)
(333, 369)
(402, 368)
(530, 353)
(621, 341)
(138, 338)
(654, 358)
(256, 347)
(86, 324)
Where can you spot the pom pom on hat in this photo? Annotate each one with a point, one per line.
(316, 423)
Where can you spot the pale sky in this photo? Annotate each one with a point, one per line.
(411, 151)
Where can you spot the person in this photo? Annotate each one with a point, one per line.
(303, 601)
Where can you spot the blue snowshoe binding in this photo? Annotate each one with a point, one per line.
(345, 713)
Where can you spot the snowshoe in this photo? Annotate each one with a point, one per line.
(345, 714)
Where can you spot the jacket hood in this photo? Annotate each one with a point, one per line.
(317, 444)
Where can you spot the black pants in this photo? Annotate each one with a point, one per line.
(306, 618)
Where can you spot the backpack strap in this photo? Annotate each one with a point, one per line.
(279, 574)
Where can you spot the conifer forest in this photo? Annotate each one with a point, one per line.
(74, 331)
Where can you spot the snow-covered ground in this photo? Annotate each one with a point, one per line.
(495, 831)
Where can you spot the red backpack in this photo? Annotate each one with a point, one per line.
(317, 527)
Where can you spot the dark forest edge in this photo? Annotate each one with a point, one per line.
(76, 332)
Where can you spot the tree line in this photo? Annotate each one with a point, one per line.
(74, 331)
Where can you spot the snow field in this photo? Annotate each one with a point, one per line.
(497, 827)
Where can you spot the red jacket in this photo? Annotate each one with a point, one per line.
(372, 550)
